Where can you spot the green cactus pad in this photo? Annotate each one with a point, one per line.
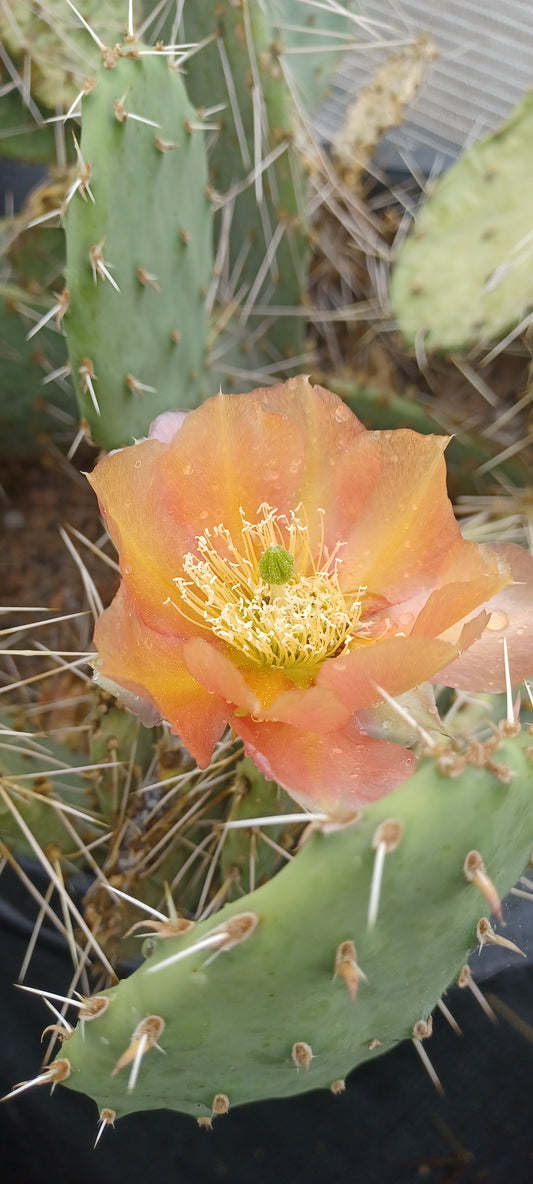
(147, 233)
(240, 69)
(464, 273)
(269, 1017)
(21, 138)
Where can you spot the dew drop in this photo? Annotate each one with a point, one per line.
(295, 465)
(342, 414)
(203, 515)
(498, 620)
(138, 464)
(187, 470)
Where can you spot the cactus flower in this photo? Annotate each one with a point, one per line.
(281, 568)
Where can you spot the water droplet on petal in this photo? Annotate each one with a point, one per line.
(498, 620)
(187, 470)
(138, 464)
(203, 515)
(342, 414)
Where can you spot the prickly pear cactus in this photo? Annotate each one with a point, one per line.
(463, 275)
(53, 36)
(290, 987)
(138, 234)
(267, 236)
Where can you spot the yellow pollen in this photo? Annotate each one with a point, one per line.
(303, 621)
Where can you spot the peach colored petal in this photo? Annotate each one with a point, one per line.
(267, 682)
(316, 709)
(282, 445)
(403, 542)
(151, 665)
(149, 541)
(397, 664)
(402, 523)
(219, 675)
(481, 668)
(336, 773)
(453, 603)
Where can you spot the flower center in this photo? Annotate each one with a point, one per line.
(269, 599)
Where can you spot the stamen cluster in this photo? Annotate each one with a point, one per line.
(303, 621)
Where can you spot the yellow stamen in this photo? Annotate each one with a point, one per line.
(302, 621)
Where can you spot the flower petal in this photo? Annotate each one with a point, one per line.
(282, 445)
(481, 667)
(404, 541)
(317, 709)
(138, 515)
(336, 773)
(397, 664)
(151, 665)
(219, 675)
(448, 608)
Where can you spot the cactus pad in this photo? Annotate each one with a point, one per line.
(463, 274)
(292, 988)
(139, 254)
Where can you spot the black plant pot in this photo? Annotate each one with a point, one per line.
(389, 1127)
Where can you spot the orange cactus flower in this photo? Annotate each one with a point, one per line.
(280, 565)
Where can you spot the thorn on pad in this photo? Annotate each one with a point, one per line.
(302, 1055)
(386, 838)
(474, 870)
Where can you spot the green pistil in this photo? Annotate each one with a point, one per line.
(276, 566)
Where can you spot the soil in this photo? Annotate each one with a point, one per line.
(37, 571)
